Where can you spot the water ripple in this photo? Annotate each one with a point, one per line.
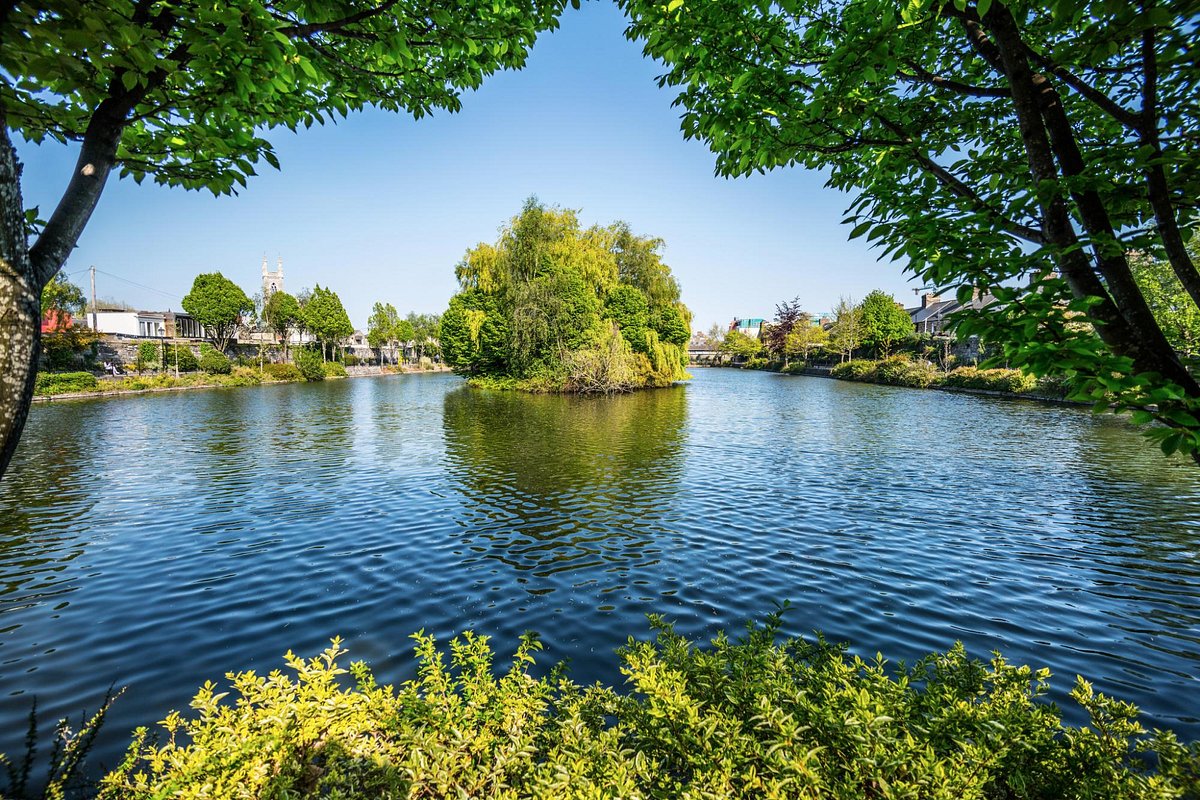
(163, 540)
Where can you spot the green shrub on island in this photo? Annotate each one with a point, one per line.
(334, 369)
(747, 718)
(553, 307)
(310, 364)
(282, 372)
(215, 362)
(50, 383)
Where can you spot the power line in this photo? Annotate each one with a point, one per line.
(168, 295)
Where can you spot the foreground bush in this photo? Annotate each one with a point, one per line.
(49, 383)
(749, 718)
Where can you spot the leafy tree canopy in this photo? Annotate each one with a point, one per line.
(325, 317)
(740, 345)
(63, 296)
(988, 144)
(1168, 301)
(884, 322)
(541, 305)
(218, 304)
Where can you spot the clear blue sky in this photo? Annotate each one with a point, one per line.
(379, 207)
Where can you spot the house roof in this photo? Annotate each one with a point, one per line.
(933, 311)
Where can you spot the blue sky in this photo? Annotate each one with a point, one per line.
(379, 207)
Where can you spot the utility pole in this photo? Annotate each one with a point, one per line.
(95, 325)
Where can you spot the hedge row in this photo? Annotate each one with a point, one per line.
(902, 371)
(49, 383)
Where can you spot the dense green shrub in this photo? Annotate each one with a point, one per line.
(242, 376)
(854, 370)
(998, 380)
(147, 356)
(754, 717)
(183, 356)
(282, 372)
(794, 368)
(353, 360)
(215, 362)
(334, 369)
(49, 383)
(758, 362)
(309, 363)
(900, 370)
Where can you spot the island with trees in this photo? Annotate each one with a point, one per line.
(554, 307)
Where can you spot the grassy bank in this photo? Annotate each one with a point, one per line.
(58, 384)
(755, 717)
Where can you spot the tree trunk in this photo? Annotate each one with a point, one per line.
(1121, 318)
(20, 308)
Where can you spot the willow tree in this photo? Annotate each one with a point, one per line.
(1010, 146)
(559, 307)
(182, 92)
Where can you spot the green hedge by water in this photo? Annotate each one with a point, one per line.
(902, 370)
(749, 718)
(50, 383)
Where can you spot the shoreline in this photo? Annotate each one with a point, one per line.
(819, 372)
(100, 393)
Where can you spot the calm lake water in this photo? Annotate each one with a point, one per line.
(159, 541)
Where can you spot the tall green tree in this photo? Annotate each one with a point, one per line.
(805, 338)
(884, 322)
(988, 143)
(281, 313)
(425, 332)
(219, 305)
(739, 345)
(846, 334)
(184, 93)
(326, 319)
(386, 328)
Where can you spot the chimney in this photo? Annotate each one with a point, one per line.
(928, 299)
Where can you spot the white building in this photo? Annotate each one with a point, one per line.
(146, 324)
